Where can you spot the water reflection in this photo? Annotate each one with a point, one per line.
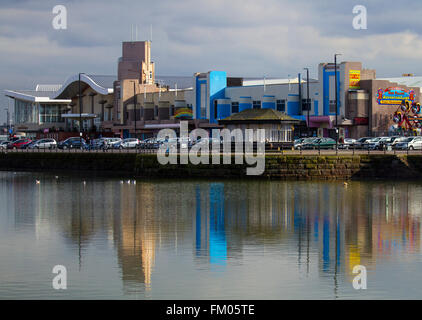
(159, 230)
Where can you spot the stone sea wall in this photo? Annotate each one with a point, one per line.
(278, 167)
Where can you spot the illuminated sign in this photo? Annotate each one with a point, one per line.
(394, 96)
(354, 79)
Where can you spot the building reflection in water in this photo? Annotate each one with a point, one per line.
(210, 233)
(326, 225)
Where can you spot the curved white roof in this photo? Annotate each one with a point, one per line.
(100, 84)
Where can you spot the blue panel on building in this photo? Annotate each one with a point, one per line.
(199, 82)
(217, 86)
(268, 105)
(223, 111)
(293, 108)
(316, 111)
(326, 90)
(244, 106)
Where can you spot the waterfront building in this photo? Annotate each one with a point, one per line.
(136, 102)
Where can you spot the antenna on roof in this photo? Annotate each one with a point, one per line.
(136, 33)
(131, 32)
(150, 33)
(288, 79)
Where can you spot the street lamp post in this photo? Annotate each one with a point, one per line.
(335, 80)
(80, 108)
(8, 121)
(92, 95)
(308, 102)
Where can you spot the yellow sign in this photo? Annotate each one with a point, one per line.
(354, 79)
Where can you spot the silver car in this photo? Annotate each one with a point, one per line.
(44, 144)
(411, 143)
(129, 143)
(110, 143)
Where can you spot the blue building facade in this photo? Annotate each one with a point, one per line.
(216, 99)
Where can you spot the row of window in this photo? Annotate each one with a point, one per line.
(280, 105)
(140, 111)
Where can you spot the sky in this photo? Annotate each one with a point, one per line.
(272, 38)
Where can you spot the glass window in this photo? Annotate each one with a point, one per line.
(306, 104)
(51, 113)
(281, 105)
(26, 112)
(332, 106)
(235, 107)
(256, 104)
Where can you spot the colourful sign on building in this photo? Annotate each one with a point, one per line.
(184, 113)
(394, 96)
(354, 79)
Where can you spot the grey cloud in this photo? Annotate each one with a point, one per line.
(242, 37)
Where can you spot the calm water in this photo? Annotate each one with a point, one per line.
(208, 240)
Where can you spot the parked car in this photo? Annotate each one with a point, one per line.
(386, 143)
(398, 140)
(19, 144)
(411, 143)
(347, 144)
(72, 143)
(147, 143)
(109, 143)
(359, 142)
(375, 143)
(299, 143)
(43, 144)
(95, 144)
(380, 144)
(320, 143)
(129, 143)
(3, 144)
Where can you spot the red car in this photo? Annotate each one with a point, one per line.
(19, 144)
